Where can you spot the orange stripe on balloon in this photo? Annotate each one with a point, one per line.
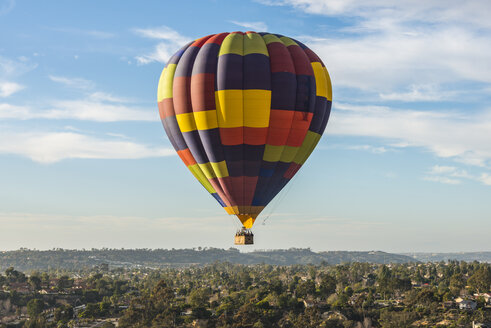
(232, 136)
(182, 94)
(186, 157)
(217, 38)
(166, 108)
(299, 128)
(255, 136)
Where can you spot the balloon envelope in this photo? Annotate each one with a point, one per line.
(244, 111)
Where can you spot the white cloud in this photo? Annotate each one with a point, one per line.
(170, 42)
(90, 110)
(442, 179)
(9, 67)
(8, 111)
(9, 88)
(93, 106)
(485, 178)
(393, 59)
(255, 26)
(162, 53)
(77, 83)
(161, 33)
(370, 148)
(437, 169)
(423, 92)
(453, 175)
(378, 12)
(84, 109)
(102, 96)
(458, 136)
(51, 147)
(389, 45)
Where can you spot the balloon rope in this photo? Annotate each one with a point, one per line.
(281, 197)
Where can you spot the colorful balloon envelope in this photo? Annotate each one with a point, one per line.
(244, 111)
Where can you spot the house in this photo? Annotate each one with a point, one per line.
(19, 287)
(308, 303)
(468, 305)
(479, 325)
(187, 312)
(200, 323)
(486, 296)
(458, 300)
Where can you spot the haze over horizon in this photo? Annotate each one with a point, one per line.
(404, 164)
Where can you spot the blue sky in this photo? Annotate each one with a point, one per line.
(404, 165)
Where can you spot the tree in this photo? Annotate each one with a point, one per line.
(64, 282)
(63, 314)
(38, 322)
(383, 279)
(200, 297)
(457, 283)
(35, 282)
(481, 279)
(327, 285)
(35, 307)
(13, 275)
(391, 319)
(305, 289)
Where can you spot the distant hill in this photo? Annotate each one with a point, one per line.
(27, 260)
(463, 256)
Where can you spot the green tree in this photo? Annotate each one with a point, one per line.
(305, 289)
(383, 279)
(35, 282)
(481, 279)
(35, 307)
(391, 319)
(13, 275)
(200, 297)
(327, 285)
(64, 282)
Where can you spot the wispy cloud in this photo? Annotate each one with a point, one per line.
(439, 169)
(91, 110)
(170, 42)
(161, 33)
(442, 179)
(51, 147)
(391, 60)
(90, 106)
(82, 109)
(390, 45)
(378, 12)
(425, 92)
(103, 96)
(77, 83)
(10, 67)
(255, 26)
(6, 6)
(454, 135)
(454, 175)
(369, 148)
(485, 178)
(9, 88)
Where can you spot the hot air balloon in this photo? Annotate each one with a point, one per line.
(244, 111)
